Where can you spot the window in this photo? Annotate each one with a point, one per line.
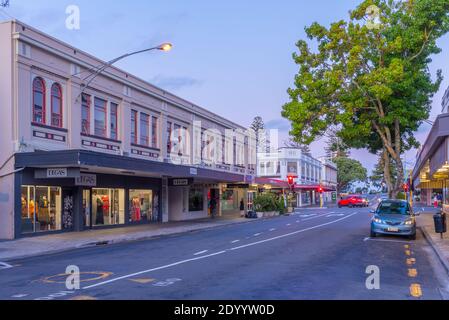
(108, 207)
(114, 121)
(134, 126)
(154, 135)
(169, 124)
(196, 199)
(141, 206)
(85, 114)
(100, 117)
(56, 105)
(39, 101)
(144, 129)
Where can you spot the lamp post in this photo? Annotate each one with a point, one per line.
(96, 71)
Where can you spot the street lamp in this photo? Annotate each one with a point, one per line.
(96, 71)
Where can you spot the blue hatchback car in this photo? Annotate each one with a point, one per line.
(394, 217)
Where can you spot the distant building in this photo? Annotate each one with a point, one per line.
(309, 174)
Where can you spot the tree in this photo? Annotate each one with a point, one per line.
(372, 80)
(262, 142)
(377, 177)
(335, 147)
(349, 171)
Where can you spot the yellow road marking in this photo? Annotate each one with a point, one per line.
(408, 253)
(83, 298)
(142, 281)
(411, 261)
(61, 278)
(407, 246)
(415, 290)
(412, 273)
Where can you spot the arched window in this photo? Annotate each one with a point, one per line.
(39, 101)
(56, 105)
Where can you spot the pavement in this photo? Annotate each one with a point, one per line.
(309, 255)
(55, 243)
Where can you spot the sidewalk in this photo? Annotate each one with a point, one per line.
(48, 244)
(440, 246)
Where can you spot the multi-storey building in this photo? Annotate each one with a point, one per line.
(117, 152)
(309, 174)
(329, 178)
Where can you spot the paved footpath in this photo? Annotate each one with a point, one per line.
(317, 254)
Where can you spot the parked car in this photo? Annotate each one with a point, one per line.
(394, 217)
(352, 201)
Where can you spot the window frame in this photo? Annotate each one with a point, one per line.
(135, 114)
(61, 110)
(105, 111)
(44, 90)
(88, 105)
(144, 140)
(113, 115)
(154, 132)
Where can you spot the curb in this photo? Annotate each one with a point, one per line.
(101, 243)
(435, 248)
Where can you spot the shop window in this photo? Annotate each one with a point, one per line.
(144, 129)
(141, 206)
(39, 101)
(85, 114)
(41, 209)
(114, 121)
(196, 199)
(169, 130)
(108, 207)
(100, 117)
(56, 105)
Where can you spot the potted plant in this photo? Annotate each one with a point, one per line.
(266, 205)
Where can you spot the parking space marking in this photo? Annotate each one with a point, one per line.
(142, 280)
(84, 298)
(408, 253)
(384, 240)
(4, 265)
(412, 273)
(410, 261)
(61, 278)
(20, 295)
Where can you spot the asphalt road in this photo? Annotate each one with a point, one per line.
(313, 254)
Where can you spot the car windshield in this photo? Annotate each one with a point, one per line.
(393, 208)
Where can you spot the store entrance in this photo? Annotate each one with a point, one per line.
(103, 207)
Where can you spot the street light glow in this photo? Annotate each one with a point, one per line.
(166, 47)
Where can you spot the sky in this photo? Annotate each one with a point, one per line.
(232, 57)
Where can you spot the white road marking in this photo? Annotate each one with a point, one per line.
(257, 234)
(4, 265)
(384, 240)
(288, 224)
(213, 254)
(201, 252)
(292, 233)
(235, 241)
(335, 215)
(20, 295)
(297, 221)
(272, 229)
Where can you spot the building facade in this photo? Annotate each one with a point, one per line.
(309, 174)
(431, 172)
(118, 152)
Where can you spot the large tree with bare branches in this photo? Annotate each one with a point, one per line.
(370, 76)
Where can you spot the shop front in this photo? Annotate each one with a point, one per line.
(76, 201)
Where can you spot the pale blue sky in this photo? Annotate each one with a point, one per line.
(232, 57)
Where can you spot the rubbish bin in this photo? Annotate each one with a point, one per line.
(440, 222)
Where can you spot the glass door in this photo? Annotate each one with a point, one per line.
(87, 208)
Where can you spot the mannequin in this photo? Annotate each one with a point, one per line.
(99, 219)
(136, 215)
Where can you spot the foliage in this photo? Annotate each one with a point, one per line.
(266, 202)
(262, 141)
(371, 81)
(349, 171)
(305, 149)
(401, 196)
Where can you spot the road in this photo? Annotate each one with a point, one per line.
(313, 254)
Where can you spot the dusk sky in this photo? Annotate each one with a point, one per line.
(231, 57)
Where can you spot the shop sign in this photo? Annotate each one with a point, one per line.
(57, 173)
(238, 186)
(86, 180)
(180, 182)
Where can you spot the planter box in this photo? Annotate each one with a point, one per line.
(268, 214)
(260, 214)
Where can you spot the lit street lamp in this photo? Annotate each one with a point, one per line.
(96, 71)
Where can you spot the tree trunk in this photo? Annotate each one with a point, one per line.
(387, 172)
(397, 159)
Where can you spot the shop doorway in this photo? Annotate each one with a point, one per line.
(213, 202)
(103, 207)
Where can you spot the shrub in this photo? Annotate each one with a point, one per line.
(266, 202)
(401, 196)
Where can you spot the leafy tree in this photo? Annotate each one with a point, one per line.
(371, 80)
(335, 146)
(377, 177)
(349, 171)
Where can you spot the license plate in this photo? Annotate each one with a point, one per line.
(393, 229)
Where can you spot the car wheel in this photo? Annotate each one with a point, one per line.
(373, 234)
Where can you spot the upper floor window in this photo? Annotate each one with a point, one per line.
(154, 130)
(169, 130)
(134, 126)
(114, 121)
(144, 129)
(56, 105)
(39, 101)
(85, 114)
(100, 117)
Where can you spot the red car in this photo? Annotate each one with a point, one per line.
(352, 201)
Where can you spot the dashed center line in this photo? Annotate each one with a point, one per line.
(257, 234)
(272, 229)
(201, 252)
(235, 241)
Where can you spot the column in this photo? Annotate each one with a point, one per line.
(78, 220)
(164, 199)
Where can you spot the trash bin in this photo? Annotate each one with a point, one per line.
(440, 222)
